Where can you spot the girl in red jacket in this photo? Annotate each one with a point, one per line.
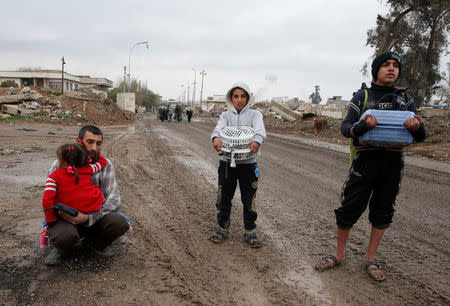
(71, 185)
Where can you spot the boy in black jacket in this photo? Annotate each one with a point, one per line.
(375, 173)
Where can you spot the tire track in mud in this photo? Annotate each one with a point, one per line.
(174, 205)
(300, 187)
(284, 280)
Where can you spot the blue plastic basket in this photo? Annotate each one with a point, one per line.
(390, 131)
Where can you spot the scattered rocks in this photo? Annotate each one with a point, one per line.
(7, 152)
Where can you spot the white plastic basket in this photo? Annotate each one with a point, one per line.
(235, 140)
(237, 136)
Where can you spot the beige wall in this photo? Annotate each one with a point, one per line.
(126, 101)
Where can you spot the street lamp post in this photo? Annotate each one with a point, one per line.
(188, 93)
(193, 87)
(184, 94)
(63, 62)
(124, 77)
(129, 62)
(203, 73)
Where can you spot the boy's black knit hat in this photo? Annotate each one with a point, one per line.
(381, 58)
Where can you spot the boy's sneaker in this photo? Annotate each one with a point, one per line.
(43, 238)
(252, 240)
(219, 236)
(54, 257)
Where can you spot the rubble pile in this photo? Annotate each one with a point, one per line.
(84, 105)
(26, 102)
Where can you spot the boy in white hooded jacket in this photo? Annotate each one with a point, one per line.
(239, 99)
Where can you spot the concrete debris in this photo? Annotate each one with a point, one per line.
(11, 91)
(55, 103)
(6, 152)
(86, 95)
(284, 111)
(21, 97)
(11, 109)
(29, 102)
(293, 103)
(25, 90)
(31, 150)
(31, 105)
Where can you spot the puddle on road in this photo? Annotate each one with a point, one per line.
(303, 277)
(121, 127)
(300, 275)
(189, 155)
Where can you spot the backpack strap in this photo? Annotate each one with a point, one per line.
(366, 97)
(352, 146)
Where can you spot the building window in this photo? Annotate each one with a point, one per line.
(54, 84)
(71, 86)
(67, 85)
(76, 86)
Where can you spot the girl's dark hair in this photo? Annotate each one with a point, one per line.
(73, 155)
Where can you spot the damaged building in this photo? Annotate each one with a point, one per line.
(52, 80)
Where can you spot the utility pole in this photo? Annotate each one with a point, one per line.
(183, 99)
(188, 93)
(124, 77)
(193, 87)
(62, 74)
(203, 73)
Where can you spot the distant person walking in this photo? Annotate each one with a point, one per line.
(169, 113)
(178, 113)
(189, 114)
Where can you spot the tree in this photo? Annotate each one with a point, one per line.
(112, 94)
(418, 31)
(9, 83)
(28, 69)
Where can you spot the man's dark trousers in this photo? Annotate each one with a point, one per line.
(64, 235)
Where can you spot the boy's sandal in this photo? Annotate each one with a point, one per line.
(218, 236)
(371, 271)
(253, 240)
(326, 264)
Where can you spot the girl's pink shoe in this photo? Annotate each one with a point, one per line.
(43, 238)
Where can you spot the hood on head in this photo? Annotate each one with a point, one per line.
(244, 86)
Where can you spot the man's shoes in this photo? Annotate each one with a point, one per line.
(106, 252)
(252, 240)
(54, 257)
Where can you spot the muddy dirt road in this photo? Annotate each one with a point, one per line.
(167, 178)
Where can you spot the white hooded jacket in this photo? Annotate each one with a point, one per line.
(246, 116)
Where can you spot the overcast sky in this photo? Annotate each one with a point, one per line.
(280, 48)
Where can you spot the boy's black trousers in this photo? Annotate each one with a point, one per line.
(374, 179)
(247, 175)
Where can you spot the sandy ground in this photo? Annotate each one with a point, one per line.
(167, 178)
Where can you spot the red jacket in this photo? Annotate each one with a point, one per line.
(60, 187)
